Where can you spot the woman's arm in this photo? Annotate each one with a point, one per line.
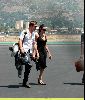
(35, 50)
(47, 49)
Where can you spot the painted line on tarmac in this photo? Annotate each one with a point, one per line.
(62, 43)
(49, 43)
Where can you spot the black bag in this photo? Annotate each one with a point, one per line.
(25, 58)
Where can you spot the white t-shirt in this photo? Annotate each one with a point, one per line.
(28, 40)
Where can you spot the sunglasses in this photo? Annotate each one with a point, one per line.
(44, 29)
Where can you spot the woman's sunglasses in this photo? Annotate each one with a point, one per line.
(44, 29)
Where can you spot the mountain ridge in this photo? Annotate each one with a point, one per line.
(12, 10)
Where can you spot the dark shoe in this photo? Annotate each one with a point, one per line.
(40, 82)
(82, 81)
(26, 86)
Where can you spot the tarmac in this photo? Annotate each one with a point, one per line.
(62, 80)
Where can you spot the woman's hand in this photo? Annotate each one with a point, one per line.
(50, 57)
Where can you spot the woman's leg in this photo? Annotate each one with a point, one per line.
(40, 79)
(41, 74)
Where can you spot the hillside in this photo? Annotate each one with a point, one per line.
(41, 10)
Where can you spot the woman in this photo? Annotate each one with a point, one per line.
(42, 49)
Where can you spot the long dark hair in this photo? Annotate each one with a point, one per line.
(40, 28)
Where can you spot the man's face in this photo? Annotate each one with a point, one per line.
(33, 27)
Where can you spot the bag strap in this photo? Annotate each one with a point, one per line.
(23, 39)
(24, 35)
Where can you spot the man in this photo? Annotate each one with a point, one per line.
(27, 43)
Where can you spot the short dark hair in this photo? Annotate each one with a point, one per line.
(32, 23)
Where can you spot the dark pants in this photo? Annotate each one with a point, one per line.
(26, 73)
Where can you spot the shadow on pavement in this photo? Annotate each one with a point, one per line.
(33, 83)
(74, 83)
(18, 86)
(12, 86)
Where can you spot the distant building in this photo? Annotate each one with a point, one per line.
(19, 24)
(27, 25)
(79, 30)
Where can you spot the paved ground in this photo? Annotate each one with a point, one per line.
(61, 77)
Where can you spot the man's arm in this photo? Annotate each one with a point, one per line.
(21, 42)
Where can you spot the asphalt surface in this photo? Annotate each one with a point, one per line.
(62, 80)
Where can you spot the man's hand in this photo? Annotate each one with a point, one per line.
(33, 55)
(37, 55)
(22, 50)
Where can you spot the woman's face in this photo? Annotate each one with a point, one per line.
(43, 31)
